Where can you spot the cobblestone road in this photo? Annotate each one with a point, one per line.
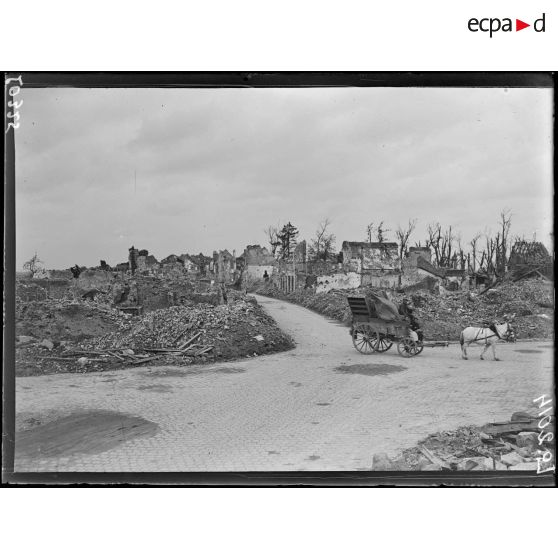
(289, 411)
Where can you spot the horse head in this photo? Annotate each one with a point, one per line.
(509, 332)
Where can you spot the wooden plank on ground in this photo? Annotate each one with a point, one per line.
(191, 340)
(433, 459)
(496, 429)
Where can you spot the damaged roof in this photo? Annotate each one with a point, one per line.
(528, 250)
(173, 258)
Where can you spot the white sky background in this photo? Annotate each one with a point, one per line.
(217, 166)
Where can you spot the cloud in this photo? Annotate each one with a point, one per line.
(189, 170)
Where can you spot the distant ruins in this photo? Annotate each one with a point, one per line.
(376, 264)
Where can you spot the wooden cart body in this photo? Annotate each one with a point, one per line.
(372, 334)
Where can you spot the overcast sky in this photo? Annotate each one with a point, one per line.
(215, 167)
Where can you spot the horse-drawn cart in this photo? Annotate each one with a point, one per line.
(377, 325)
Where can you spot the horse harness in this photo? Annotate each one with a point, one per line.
(491, 327)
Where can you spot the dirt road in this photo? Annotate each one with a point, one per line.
(321, 406)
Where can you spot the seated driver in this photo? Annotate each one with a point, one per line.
(406, 310)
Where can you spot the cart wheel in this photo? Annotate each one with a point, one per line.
(407, 347)
(419, 348)
(364, 339)
(384, 344)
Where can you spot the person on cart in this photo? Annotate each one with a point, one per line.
(406, 309)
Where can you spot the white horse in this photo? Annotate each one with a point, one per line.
(487, 336)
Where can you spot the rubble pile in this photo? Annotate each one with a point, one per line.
(176, 335)
(444, 316)
(514, 445)
(65, 319)
(530, 302)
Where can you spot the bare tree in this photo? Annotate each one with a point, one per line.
(434, 240)
(369, 231)
(474, 251)
(403, 234)
(272, 233)
(503, 241)
(322, 247)
(488, 254)
(442, 243)
(379, 232)
(460, 253)
(34, 265)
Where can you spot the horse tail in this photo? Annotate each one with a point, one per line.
(461, 339)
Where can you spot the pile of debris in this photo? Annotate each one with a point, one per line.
(178, 335)
(66, 319)
(514, 445)
(530, 302)
(444, 316)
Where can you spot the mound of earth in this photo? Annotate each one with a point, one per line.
(85, 338)
(65, 320)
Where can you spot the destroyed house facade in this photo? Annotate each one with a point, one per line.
(224, 266)
(258, 262)
(527, 258)
(291, 272)
(191, 264)
(147, 262)
(370, 256)
(172, 260)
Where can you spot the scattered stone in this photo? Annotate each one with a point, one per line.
(527, 439)
(25, 339)
(82, 361)
(526, 453)
(470, 448)
(476, 463)
(469, 464)
(522, 416)
(512, 458)
(47, 343)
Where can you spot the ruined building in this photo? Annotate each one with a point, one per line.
(530, 258)
(257, 261)
(133, 254)
(224, 266)
(291, 272)
(370, 256)
(146, 262)
(191, 264)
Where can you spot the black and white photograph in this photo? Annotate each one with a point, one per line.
(222, 275)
